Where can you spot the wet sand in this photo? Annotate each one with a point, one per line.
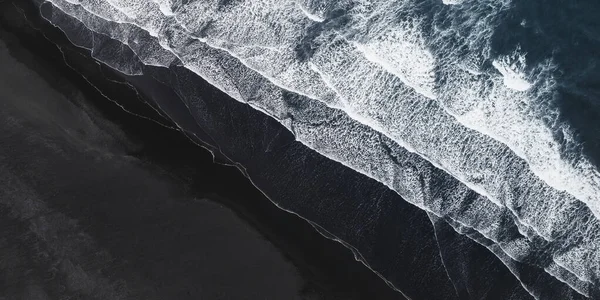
(93, 208)
(101, 203)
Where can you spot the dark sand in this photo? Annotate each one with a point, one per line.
(82, 215)
(120, 206)
(92, 210)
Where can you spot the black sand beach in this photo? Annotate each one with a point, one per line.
(96, 210)
(121, 205)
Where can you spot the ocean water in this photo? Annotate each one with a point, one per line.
(481, 113)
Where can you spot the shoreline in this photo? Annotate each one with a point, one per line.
(400, 242)
(311, 263)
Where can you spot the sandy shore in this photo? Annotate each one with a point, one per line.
(95, 210)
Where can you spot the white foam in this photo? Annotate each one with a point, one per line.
(452, 2)
(165, 6)
(512, 71)
(311, 15)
